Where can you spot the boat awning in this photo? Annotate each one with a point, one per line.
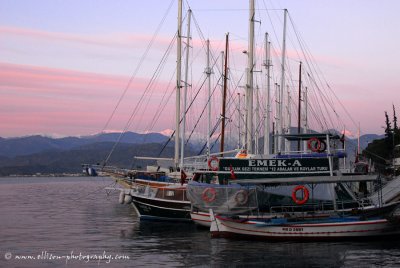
(321, 136)
(311, 155)
(312, 179)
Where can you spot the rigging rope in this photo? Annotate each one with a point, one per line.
(142, 58)
(138, 104)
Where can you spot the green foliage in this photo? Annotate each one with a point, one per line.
(381, 151)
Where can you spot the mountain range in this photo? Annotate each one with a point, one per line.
(39, 154)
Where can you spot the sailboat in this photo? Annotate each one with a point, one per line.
(275, 196)
(161, 200)
(161, 194)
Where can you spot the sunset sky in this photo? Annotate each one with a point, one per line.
(64, 64)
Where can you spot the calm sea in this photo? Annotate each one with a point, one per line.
(75, 222)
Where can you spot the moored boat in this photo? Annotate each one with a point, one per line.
(161, 202)
(331, 227)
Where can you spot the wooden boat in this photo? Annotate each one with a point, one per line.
(330, 227)
(160, 201)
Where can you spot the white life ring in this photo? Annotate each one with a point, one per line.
(241, 197)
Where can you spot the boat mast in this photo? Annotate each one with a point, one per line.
(208, 72)
(281, 127)
(186, 87)
(257, 120)
(299, 111)
(239, 119)
(358, 140)
(277, 118)
(289, 118)
(178, 82)
(305, 117)
(244, 119)
(344, 147)
(223, 114)
(249, 87)
(267, 150)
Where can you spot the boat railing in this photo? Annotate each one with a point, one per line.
(146, 190)
(338, 153)
(168, 193)
(200, 162)
(177, 194)
(324, 206)
(195, 163)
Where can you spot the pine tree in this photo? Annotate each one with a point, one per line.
(388, 134)
(388, 129)
(396, 130)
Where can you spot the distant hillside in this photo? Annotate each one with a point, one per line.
(12, 147)
(38, 154)
(70, 161)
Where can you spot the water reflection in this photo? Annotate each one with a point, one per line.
(71, 214)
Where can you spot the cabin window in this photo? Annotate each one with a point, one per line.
(170, 193)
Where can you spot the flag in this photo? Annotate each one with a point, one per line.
(233, 176)
(183, 177)
(342, 138)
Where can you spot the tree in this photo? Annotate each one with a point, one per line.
(381, 151)
(388, 129)
(389, 136)
(396, 130)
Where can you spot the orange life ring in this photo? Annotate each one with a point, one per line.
(209, 195)
(242, 154)
(314, 144)
(241, 197)
(213, 163)
(305, 192)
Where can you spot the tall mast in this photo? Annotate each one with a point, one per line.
(277, 118)
(224, 95)
(208, 72)
(299, 111)
(273, 140)
(344, 147)
(358, 140)
(178, 82)
(267, 149)
(282, 85)
(186, 87)
(305, 117)
(249, 88)
(257, 120)
(244, 118)
(289, 118)
(222, 71)
(239, 119)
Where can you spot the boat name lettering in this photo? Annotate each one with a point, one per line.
(292, 229)
(274, 163)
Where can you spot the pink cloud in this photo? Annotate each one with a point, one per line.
(45, 100)
(109, 39)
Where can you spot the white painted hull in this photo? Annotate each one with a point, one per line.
(204, 218)
(201, 218)
(224, 227)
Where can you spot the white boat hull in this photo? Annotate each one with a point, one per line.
(224, 227)
(201, 218)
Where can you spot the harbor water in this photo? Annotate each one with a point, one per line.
(76, 222)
